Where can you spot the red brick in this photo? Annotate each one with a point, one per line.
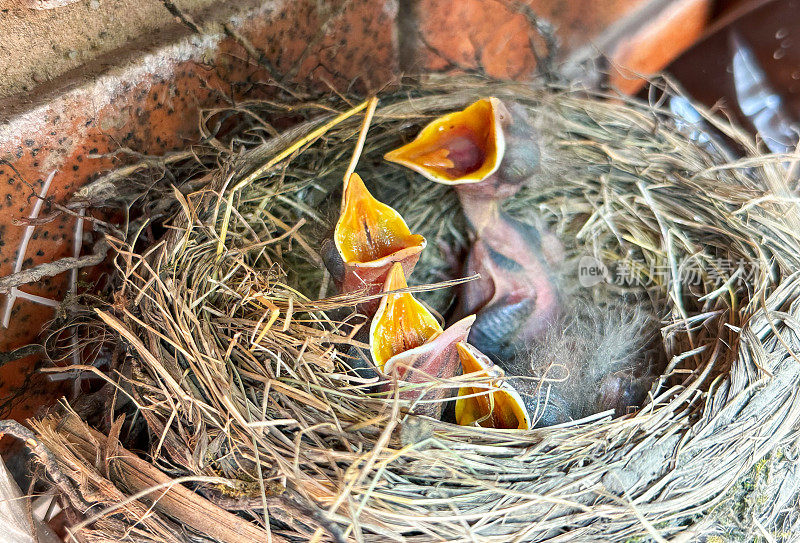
(495, 36)
(148, 101)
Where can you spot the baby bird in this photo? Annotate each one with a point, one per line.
(408, 344)
(593, 359)
(488, 151)
(369, 238)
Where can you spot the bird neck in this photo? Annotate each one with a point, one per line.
(481, 210)
(481, 201)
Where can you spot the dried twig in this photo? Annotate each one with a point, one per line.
(45, 457)
(22, 352)
(51, 269)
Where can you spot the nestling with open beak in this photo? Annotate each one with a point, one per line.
(488, 151)
(369, 238)
(407, 343)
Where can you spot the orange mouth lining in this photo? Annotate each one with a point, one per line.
(464, 146)
(490, 406)
(369, 230)
(401, 323)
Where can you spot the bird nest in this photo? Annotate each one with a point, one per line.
(230, 413)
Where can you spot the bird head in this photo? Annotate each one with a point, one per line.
(406, 341)
(369, 238)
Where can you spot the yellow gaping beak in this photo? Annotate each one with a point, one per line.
(407, 343)
(462, 147)
(497, 405)
(401, 322)
(370, 237)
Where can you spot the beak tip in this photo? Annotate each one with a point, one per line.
(396, 278)
(396, 156)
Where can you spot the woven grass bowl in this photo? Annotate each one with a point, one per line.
(230, 414)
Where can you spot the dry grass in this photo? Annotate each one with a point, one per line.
(235, 380)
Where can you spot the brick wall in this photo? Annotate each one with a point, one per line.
(146, 91)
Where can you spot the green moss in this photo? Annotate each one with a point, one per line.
(736, 512)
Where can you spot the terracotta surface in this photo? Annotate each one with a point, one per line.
(496, 36)
(149, 103)
(658, 41)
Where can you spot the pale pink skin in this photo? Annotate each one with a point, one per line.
(529, 279)
(368, 277)
(435, 359)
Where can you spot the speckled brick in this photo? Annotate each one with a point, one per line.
(148, 99)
